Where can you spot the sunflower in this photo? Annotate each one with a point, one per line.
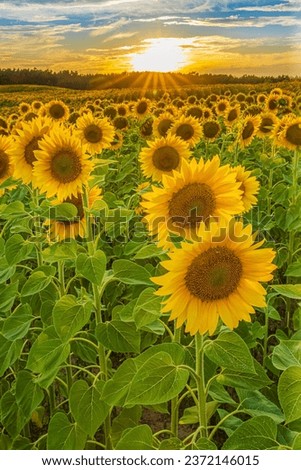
(188, 129)
(120, 123)
(6, 162)
(248, 185)
(61, 167)
(290, 135)
(26, 142)
(211, 129)
(196, 193)
(261, 98)
(36, 105)
(162, 124)
(221, 107)
(232, 115)
(3, 122)
(94, 133)
(141, 108)
(268, 122)
(24, 107)
(207, 113)
(57, 110)
(248, 129)
(195, 111)
(122, 110)
(162, 156)
(272, 104)
(217, 277)
(71, 228)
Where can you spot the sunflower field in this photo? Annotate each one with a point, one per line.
(150, 276)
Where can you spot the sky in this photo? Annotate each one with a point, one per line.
(261, 37)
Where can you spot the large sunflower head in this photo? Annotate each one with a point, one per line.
(24, 107)
(6, 161)
(141, 108)
(71, 228)
(61, 168)
(110, 112)
(162, 124)
(195, 111)
(267, 124)
(248, 129)
(57, 110)
(162, 156)
(188, 129)
(232, 115)
(290, 134)
(211, 129)
(221, 107)
(197, 193)
(248, 185)
(218, 276)
(27, 141)
(95, 133)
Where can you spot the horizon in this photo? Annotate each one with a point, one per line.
(231, 37)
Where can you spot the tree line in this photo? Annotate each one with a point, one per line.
(74, 80)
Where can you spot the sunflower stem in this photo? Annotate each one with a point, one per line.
(97, 290)
(201, 387)
(292, 233)
(174, 402)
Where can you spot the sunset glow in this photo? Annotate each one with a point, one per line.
(161, 55)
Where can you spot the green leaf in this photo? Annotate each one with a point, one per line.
(61, 251)
(204, 444)
(286, 354)
(174, 443)
(147, 308)
(6, 271)
(256, 404)
(36, 282)
(13, 210)
(293, 291)
(245, 379)
(127, 418)
(297, 442)
(257, 433)
(190, 416)
(9, 352)
(294, 269)
(116, 388)
(28, 394)
(148, 251)
(63, 211)
(63, 435)
(69, 316)
(46, 355)
(230, 351)
(12, 420)
(118, 336)
(8, 293)
(92, 267)
(289, 393)
(138, 438)
(157, 381)
(131, 273)
(17, 249)
(88, 409)
(17, 324)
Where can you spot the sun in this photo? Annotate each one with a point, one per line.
(160, 55)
